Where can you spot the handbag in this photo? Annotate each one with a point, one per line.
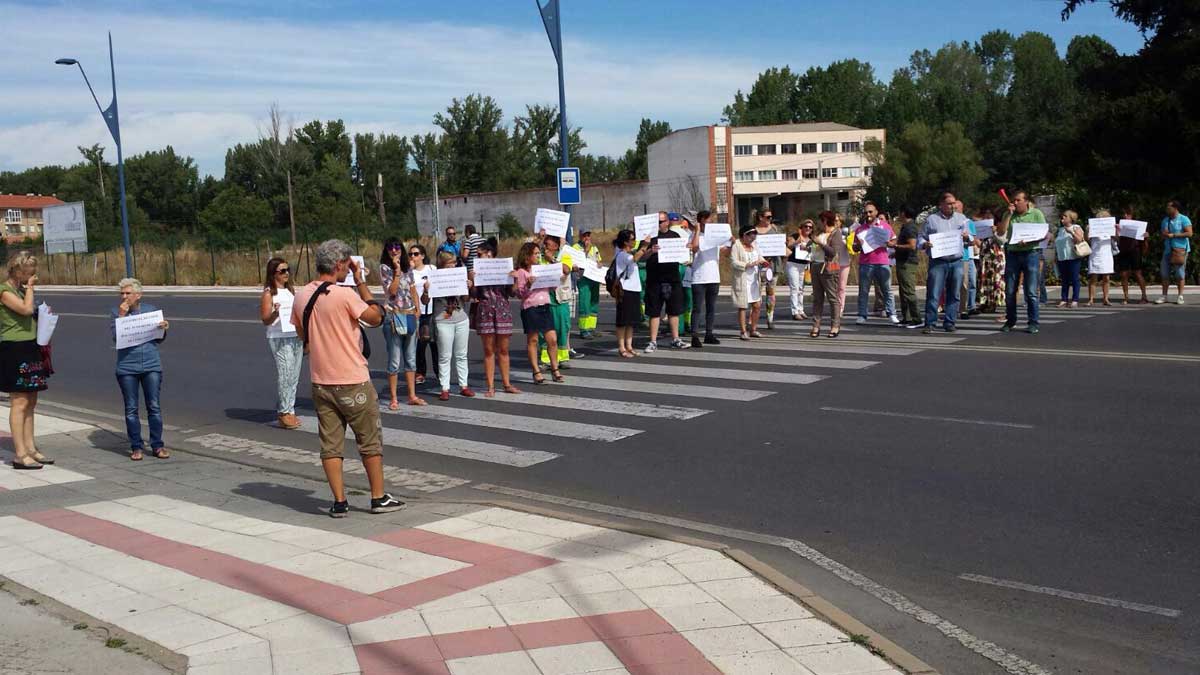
(399, 323)
(1082, 249)
(1179, 256)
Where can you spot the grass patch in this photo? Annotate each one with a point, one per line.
(80, 626)
(865, 641)
(114, 643)
(28, 601)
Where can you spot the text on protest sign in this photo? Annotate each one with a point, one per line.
(876, 237)
(553, 223)
(772, 245)
(448, 282)
(645, 226)
(1027, 232)
(1134, 229)
(672, 250)
(547, 276)
(945, 244)
(139, 329)
(715, 235)
(493, 271)
(1102, 228)
(985, 229)
(285, 314)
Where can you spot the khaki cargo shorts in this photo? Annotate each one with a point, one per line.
(353, 405)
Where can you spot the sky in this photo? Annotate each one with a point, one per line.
(200, 76)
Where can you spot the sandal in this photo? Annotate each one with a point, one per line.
(1107, 303)
(1062, 304)
(26, 465)
(835, 332)
(743, 336)
(816, 332)
(161, 453)
(557, 375)
(417, 401)
(42, 459)
(755, 334)
(490, 392)
(394, 405)
(509, 389)
(538, 378)
(136, 455)
(420, 379)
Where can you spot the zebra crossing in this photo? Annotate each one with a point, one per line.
(607, 400)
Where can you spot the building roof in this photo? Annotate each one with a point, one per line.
(28, 201)
(798, 126)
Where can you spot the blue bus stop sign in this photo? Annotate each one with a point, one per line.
(568, 186)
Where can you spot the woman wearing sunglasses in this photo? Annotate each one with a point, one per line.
(275, 308)
(420, 272)
(400, 324)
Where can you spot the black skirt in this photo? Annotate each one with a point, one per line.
(23, 367)
(629, 309)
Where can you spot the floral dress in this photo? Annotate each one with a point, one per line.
(493, 313)
(991, 277)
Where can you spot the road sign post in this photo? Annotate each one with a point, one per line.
(568, 186)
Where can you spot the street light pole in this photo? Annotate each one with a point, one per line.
(552, 18)
(112, 120)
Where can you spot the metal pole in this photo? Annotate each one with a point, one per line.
(437, 212)
(552, 19)
(74, 263)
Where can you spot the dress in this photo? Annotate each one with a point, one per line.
(991, 278)
(493, 312)
(1101, 260)
(742, 259)
(23, 365)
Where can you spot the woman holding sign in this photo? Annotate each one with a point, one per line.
(400, 325)
(825, 274)
(139, 367)
(747, 264)
(23, 368)
(1100, 263)
(799, 255)
(420, 272)
(275, 310)
(451, 326)
(1129, 260)
(561, 299)
(625, 285)
(493, 322)
(1066, 253)
(535, 312)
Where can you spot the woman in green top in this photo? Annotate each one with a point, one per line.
(23, 368)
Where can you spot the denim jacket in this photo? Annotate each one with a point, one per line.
(142, 358)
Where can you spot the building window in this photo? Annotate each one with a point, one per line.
(829, 147)
(742, 176)
(808, 148)
(829, 173)
(787, 149)
(850, 172)
(719, 157)
(722, 196)
(766, 175)
(789, 174)
(843, 196)
(868, 171)
(808, 174)
(743, 150)
(12, 217)
(851, 146)
(766, 149)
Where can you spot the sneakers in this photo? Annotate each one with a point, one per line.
(1006, 328)
(711, 340)
(585, 334)
(860, 321)
(1179, 300)
(576, 355)
(1032, 330)
(1161, 300)
(679, 344)
(895, 320)
(650, 348)
(339, 510)
(696, 343)
(914, 325)
(950, 328)
(928, 330)
(771, 322)
(386, 504)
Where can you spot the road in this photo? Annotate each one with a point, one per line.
(1035, 494)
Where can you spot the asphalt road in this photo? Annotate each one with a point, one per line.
(1065, 461)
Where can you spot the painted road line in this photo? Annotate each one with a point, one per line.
(931, 418)
(1028, 351)
(642, 368)
(100, 413)
(634, 408)
(449, 446)
(1071, 595)
(525, 423)
(881, 337)
(398, 477)
(1010, 662)
(781, 361)
(879, 328)
(199, 319)
(824, 346)
(658, 388)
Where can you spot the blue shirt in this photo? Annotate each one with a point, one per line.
(1177, 225)
(936, 223)
(455, 248)
(974, 233)
(141, 358)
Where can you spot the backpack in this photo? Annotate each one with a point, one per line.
(322, 290)
(611, 283)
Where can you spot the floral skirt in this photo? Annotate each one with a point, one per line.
(24, 367)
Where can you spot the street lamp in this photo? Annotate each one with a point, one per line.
(552, 18)
(114, 127)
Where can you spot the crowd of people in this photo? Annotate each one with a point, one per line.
(977, 268)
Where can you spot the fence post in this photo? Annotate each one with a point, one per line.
(213, 257)
(74, 263)
(174, 269)
(105, 267)
(258, 259)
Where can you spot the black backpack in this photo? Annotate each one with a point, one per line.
(322, 290)
(611, 283)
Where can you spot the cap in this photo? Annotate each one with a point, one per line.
(672, 216)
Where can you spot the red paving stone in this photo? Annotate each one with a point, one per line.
(554, 633)
(654, 649)
(628, 624)
(477, 642)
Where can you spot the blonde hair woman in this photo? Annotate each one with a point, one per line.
(1069, 234)
(1100, 263)
(24, 366)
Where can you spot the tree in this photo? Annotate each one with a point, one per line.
(389, 156)
(952, 86)
(922, 160)
(844, 91)
(164, 184)
(234, 218)
(325, 144)
(280, 156)
(901, 104)
(635, 160)
(770, 101)
(476, 142)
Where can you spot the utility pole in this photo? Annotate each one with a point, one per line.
(379, 199)
(437, 204)
(552, 18)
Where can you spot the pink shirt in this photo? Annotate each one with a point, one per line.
(530, 297)
(880, 255)
(334, 341)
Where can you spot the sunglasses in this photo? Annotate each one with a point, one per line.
(413, 254)
(396, 247)
(282, 270)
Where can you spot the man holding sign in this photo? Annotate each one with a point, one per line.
(139, 365)
(1022, 257)
(664, 287)
(587, 300)
(942, 237)
(872, 240)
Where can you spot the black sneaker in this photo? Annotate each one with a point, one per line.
(339, 510)
(386, 504)
(950, 329)
(711, 340)
(696, 342)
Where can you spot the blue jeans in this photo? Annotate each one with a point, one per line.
(150, 383)
(1043, 297)
(944, 276)
(1017, 264)
(401, 347)
(972, 277)
(1068, 272)
(868, 274)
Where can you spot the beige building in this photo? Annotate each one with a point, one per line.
(796, 170)
(23, 215)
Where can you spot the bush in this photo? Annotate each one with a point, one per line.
(510, 227)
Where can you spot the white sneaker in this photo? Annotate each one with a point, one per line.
(895, 320)
(1161, 301)
(861, 321)
(1179, 300)
(650, 348)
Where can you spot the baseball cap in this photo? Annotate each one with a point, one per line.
(672, 216)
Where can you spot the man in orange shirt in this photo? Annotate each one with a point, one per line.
(341, 383)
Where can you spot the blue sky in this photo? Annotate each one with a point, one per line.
(200, 76)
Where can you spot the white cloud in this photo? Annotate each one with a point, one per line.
(202, 84)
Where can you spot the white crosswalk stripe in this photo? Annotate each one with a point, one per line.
(791, 343)
(683, 371)
(781, 361)
(527, 398)
(660, 388)
(526, 423)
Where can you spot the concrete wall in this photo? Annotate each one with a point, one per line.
(603, 206)
(679, 169)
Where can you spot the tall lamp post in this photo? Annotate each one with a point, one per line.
(552, 18)
(114, 127)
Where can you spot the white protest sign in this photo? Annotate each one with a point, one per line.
(772, 245)
(349, 280)
(547, 276)
(139, 329)
(285, 314)
(873, 238)
(1102, 228)
(645, 226)
(493, 271)
(1134, 229)
(553, 223)
(672, 250)
(715, 235)
(1027, 232)
(419, 277)
(46, 321)
(594, 272)
(945, 244)
(448, 282)
(985, 229)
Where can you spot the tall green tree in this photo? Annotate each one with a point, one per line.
(326, 143)
(952, 86)
(387, 157)
(164, 184)
(234, 218)
(771, 100)
(475, 143)
(844, 91)
(922, 160)
(635, 160)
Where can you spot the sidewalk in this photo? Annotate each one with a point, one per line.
(235, 569)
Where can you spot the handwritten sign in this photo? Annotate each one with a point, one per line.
(945, 244)
(349, 280)
(645, 226)
(447, 282)
(285, 314)
(1102, 228)
(139, 329)
(1134, 229)
(985, 229)
(493, 271)
(772, 245)
(594, 272)
(672, 250)
(874, 238)
(420, 277)
(1027, 232)
(553, 223)
(715, 235)
(547, 276)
